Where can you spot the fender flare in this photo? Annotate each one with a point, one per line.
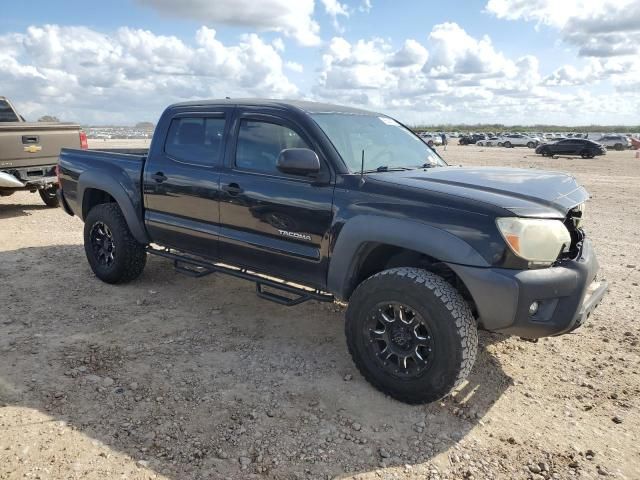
(106, 183)
(423, 238)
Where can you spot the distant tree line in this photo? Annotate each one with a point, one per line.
(498, 127)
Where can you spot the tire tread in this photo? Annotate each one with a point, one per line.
(134, 252)
(466, 329)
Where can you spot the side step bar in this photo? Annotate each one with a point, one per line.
(196, 267)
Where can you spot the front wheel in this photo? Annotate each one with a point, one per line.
(618, 146)
(50, 197)
(411, 334)
(500, 144)
(531, 145)
(114, 255)
(508, 144)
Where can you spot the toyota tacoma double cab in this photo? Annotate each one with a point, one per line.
(29, 152)
(321, 202)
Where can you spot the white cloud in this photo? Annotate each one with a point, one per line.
(291, 18)
(294, 67)
(597, 28)
(334, 9)
(80, 74)
(365, 6)
(455, 52)
(128, 75)
(411, 53)
(456, 77)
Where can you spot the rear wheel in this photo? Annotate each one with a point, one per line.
(411, 334)
(545, 152)
(500, 144)
(430, 143)
(50, 197)
(531, 145)
(618, 146)
(114, 255)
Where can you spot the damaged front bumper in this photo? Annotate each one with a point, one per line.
(565, 296)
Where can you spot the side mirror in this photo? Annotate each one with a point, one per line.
(298, 161)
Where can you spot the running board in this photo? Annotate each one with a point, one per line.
(196, 268)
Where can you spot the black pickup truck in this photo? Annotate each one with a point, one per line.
(321, 202)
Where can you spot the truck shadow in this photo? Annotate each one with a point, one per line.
(201, 379)
(10, 210)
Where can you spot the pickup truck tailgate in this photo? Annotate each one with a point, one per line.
(24, 145)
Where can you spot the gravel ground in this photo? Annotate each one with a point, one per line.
(180, 378)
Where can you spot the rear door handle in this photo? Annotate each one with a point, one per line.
(232, 189)
(159, 177)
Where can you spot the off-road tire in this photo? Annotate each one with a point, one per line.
(451, 324)
(130, 256)
(49, 197)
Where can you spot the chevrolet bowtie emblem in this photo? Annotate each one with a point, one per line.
(32, 148)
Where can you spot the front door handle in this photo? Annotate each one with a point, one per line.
(159, 177)
(232, 189)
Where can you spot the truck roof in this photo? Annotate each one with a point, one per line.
(302, 105)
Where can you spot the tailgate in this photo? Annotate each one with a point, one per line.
(34, 144)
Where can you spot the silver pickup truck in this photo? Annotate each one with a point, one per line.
(29, 153)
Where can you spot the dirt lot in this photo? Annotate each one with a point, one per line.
(178, 378)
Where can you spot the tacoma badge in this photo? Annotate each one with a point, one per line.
(299, 236)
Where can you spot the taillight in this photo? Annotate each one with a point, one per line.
(84, 145)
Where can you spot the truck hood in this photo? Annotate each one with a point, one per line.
(526, 193)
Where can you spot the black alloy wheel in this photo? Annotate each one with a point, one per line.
(399, 339)
(102, 244)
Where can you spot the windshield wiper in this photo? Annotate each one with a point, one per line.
(386, 168)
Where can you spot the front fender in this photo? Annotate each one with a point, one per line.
(120, 193)
(412, 235)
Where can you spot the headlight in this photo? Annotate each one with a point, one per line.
(535, 240)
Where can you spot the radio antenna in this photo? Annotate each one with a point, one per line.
(362, 168)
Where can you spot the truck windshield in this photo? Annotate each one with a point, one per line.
(6, 112)
(387, 145)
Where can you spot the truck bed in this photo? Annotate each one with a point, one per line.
(94, 167)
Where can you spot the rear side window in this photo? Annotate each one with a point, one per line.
(196, 140)
(6, 112)
(260, 144)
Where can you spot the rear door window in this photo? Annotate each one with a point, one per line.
(6, 112)
(196, 140)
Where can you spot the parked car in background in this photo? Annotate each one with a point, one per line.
(572, 146)
(430, 139)
(617, 142)
(471, 139)
(518, 140)
(29, 153)
(488, 142)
